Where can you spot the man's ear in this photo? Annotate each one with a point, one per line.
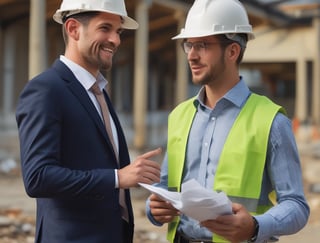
(73, 28)
(233, 51)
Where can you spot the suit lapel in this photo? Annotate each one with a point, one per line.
(124, 158)
(81, 94)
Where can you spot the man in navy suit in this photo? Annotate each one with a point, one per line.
(68, 162)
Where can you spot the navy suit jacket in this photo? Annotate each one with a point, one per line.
(68, 162)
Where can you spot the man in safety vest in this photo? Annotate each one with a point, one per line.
(229, 139)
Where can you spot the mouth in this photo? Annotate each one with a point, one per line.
(108, 49)
(196, 68)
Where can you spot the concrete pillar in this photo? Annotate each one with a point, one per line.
(182, 65)
(1, 70)
(9, 69)
(301, 90)
(140, 98)
(316, 76)
(37, 37)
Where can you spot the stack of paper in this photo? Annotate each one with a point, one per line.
(194, 200)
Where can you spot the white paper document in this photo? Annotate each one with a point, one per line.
(194, 200)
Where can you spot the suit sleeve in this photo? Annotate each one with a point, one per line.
(39, 119)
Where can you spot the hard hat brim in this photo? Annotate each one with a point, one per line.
(128, 23)
(194, 34)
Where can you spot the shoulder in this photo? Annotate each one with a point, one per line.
(281, 123)
(45, 88)
(183, 106)
(50, 79)
(281, 131)
(263, 102)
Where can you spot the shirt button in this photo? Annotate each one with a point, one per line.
(213, 118)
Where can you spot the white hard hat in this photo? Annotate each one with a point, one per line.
(214, 17)
(71, 7)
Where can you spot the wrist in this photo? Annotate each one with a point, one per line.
(256, 230)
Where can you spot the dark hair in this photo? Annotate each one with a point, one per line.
(224, 42)
(84, 18)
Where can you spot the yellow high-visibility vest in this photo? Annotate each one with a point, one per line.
(242, 160)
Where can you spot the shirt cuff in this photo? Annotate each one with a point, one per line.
(265, 228)
(116, 182)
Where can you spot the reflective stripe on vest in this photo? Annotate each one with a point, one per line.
(243, 154)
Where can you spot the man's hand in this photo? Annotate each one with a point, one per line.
(162, 211)
(141, 170)
(236, 228)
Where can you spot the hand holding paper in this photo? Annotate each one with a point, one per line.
(194, 200)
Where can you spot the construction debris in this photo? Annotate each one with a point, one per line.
(15, 227)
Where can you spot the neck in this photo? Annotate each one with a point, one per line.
(214, 93)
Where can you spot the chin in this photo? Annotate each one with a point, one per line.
(196, 80)
(105, 67)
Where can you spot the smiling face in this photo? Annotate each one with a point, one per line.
(93, 44)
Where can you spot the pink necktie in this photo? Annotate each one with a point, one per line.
(106, 118)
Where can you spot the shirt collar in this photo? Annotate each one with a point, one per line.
(236, 95)
(84, 77)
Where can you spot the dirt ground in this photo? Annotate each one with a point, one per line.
(17, 211)
(17, 216)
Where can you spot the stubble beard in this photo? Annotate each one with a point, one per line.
(95, 60)
(211, 75)
(104, 65)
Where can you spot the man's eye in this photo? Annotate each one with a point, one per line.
(105, 28)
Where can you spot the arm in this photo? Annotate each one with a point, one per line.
(59, 156)
(291, 212)
(283, 174)
(41, 133)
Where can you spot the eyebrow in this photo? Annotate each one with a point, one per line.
(110, 25)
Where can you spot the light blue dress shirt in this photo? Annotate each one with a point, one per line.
(282, 172)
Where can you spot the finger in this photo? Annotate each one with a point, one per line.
(163, 209)
(164, 219)
(150, 164)
(158, 202)
(160, 212)
(220, 229)
(150, 179)
(151, 153)
(236, 207)
(154, 197)
(151, 173)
